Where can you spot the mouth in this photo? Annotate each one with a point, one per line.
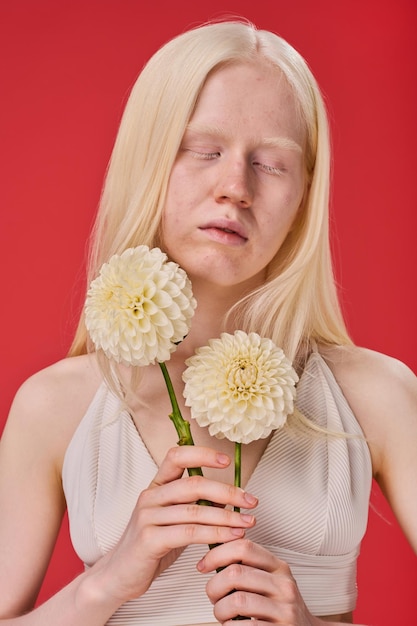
(231, 229)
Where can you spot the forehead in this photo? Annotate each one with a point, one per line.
(249, 97)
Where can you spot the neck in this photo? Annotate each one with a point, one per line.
(209, 318)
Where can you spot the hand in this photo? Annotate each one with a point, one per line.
(253, 583)
(167, 518)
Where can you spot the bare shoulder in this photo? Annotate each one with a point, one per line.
(361, 366)
(67, 383)
(381, 390)
(50, 404)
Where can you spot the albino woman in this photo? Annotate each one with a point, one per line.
(222, 161)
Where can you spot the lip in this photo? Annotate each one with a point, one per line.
(229, 227)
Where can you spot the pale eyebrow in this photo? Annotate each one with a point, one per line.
(284, 143)
(204, 129)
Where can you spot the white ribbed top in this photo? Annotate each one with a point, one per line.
(313, 503)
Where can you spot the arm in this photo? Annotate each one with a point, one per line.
(253, 582)
(396, 473)
(165, 520)
(382, 392)
(31, 501)
(383, 395)
(40, 424)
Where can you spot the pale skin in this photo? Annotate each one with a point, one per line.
(247, 157)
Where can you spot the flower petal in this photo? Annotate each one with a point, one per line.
(242, 386)
(139, 307)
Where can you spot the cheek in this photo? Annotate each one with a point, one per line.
(281, 221)
(182, 193)
(292, 202)
(174, 201)
(175, 220)
(170, 228)
(283, 215)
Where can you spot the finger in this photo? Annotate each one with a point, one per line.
(159, 540)
(239, 603)
(251, 605)
(243, 578)
(263, 609)
(243, 551)
(193, 488)
(194, 514)
(180, 458)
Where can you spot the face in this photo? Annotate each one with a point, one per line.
(238, 179)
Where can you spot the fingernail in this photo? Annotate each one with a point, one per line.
(250, 499)
(237, 532)
(200, 565)
(223, 459)
(248, 519)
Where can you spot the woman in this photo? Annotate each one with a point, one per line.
(222, 160)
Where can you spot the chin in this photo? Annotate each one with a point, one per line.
(218, 278)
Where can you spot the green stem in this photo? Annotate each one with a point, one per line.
(181, 426)
(238, 481)
(238, 464)
(185, 439)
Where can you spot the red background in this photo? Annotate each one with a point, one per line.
(66, 68)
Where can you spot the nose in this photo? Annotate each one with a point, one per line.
(234, 184)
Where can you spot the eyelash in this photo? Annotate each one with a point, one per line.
(207, 156)
(204, 155)
(269, 169)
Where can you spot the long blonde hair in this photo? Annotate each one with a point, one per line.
(298, 303)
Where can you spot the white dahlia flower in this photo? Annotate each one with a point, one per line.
(241, 386)
(139, 307)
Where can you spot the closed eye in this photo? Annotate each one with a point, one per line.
(203, 155)
(269, 169)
